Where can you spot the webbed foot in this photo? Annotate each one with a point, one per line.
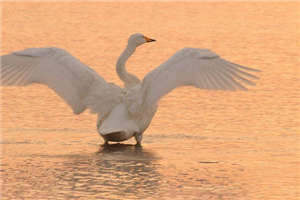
(138, 144)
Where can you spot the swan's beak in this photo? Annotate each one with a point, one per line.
(149, 39)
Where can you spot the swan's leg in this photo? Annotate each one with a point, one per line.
(98, 123)
(105, 143)
(138, 138)
(98, 126)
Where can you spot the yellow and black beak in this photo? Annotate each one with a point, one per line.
(149, 39)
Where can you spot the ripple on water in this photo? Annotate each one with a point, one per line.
(114, 172)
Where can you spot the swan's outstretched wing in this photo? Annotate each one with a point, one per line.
(80, 86)
(201, 68)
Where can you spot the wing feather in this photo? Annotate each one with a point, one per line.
(213, 81)
(235, 69)
(15, 75)
(80, 86)
(229, 84)
(235, 74)
(219, 79)
(201, 68)
(243, 67)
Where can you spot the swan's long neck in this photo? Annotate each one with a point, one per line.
(128, 79)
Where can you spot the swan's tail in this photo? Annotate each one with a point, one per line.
(119, 121)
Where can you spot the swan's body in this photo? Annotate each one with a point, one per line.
(122, 112)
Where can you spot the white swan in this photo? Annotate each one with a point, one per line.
(122, 112)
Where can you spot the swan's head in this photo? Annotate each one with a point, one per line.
(138, 39)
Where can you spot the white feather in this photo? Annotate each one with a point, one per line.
(122, 113)
(201, 68)
(80, 86)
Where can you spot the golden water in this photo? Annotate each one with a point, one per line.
(200, 145)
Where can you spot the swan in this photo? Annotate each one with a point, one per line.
(122, 112)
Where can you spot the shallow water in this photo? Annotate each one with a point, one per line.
(200, 145)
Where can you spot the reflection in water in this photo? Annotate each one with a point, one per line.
(116, 170)
(212, 145)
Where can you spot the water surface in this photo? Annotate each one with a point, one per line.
(200, 145)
